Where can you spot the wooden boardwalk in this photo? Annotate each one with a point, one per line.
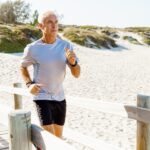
(4, 145)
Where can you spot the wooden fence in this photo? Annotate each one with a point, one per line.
(21, 122)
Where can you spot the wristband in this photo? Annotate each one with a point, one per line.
(74, 64)
(29, 83)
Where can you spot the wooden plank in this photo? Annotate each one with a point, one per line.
(138, 113)
(4, 111)
(3, 138)
(88, 141)
(46, 140)
(12, 90)
(85, 140)
(3, 146)
(106, 107)
(96, 105)
(143, 129)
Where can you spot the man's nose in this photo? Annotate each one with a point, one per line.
(54, 25)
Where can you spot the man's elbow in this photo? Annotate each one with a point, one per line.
(22, 69)
(76, 74)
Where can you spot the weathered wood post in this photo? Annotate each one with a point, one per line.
(141, 113)
(143, 129)
(20, 130)
(17, 98)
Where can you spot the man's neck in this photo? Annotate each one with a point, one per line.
(48, 39)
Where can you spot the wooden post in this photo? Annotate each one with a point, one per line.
(143, 129)
(20, 130)
(17, 98)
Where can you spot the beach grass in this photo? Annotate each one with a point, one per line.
(88, 38)
(131, 40)
(142, 31)
(13, 38)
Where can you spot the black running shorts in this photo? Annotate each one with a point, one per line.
(51, 112)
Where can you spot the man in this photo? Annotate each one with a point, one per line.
(49, 56)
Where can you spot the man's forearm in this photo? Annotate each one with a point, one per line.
(75, 70)
(25, 74)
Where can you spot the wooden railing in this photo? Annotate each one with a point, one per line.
(140, 113)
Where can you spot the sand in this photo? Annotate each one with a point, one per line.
(108, 75)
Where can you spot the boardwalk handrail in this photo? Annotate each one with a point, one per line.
(22, 133)
(140, 113)
(106, 107)
(46, 141)
(70, 134)
(93, 143)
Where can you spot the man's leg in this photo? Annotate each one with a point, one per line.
(59, 117)
(58, 130)
(55, 129)
(49, 128)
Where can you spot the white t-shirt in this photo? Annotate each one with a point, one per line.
(49, 65)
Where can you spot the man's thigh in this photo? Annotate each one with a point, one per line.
(44, 112)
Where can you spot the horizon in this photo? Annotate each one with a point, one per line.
(103, 13)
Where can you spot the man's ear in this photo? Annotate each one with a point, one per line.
(39, 26)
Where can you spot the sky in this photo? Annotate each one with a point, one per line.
(113, 13)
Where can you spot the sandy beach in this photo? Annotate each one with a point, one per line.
(109, 75)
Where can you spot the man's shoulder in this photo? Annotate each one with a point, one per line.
(33, 44)
(64, 42)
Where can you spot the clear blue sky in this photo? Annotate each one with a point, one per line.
(115, 13)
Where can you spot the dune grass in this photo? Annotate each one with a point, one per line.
(88, 38)
(131, 40)
(13, 38)
(146, 41)
(137, 29)
(142, 31)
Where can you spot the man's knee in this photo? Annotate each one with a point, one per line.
(49, 128)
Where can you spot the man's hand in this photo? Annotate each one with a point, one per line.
(35, 88)
(70, 55)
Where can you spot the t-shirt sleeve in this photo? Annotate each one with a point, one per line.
(27, 58)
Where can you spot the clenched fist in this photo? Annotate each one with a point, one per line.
(70, 55)
(35, 88)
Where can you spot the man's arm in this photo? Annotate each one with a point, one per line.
(75, 70)
(33, 88)
(72, 63)
(25, 74)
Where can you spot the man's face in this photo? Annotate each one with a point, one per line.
(50, 25)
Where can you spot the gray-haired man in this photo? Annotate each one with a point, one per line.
(49, 56)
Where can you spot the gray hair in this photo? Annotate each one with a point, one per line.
(44, 15)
